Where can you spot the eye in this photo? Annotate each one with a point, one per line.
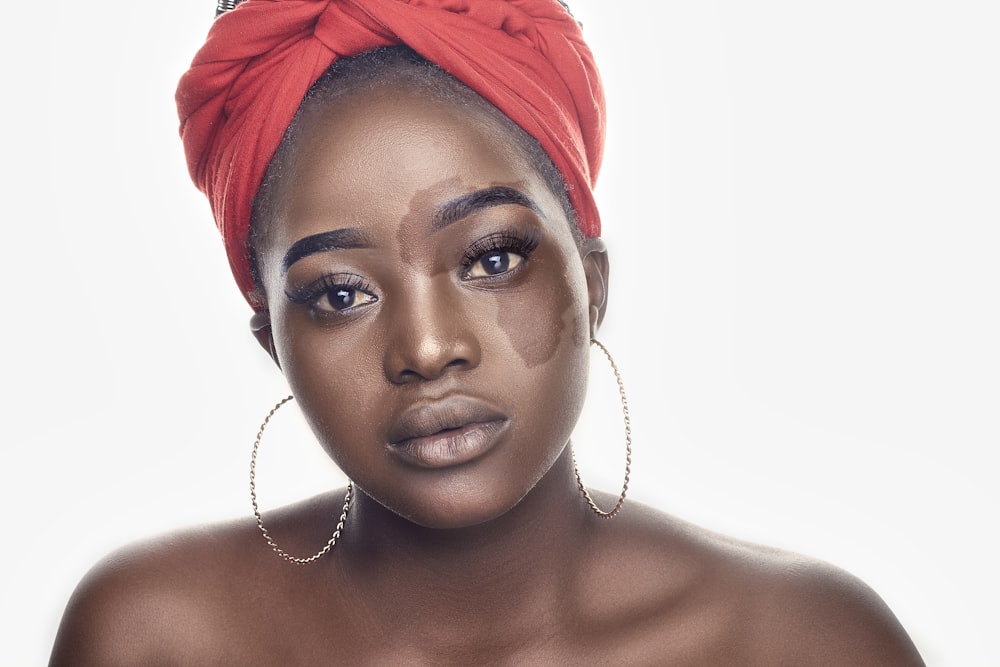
(494, 263)
(498, 254)
(342, 297)
(333, 294)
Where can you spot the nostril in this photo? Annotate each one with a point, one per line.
(411, 374)
(408, 376)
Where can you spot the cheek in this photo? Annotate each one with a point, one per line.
(339, 385)
(551, 318)
(545, 330)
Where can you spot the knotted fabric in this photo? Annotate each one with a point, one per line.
(526, 57)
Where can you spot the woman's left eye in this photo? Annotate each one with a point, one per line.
(494, 263)
(498, 254)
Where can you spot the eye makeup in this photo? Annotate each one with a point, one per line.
(520, 242)
(342, 291)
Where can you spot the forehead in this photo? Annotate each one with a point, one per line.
(372, 156)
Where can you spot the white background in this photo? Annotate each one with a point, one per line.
(801, 203)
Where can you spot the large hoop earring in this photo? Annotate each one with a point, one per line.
(256, 511)
(628, 445)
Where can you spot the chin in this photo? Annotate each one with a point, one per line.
(449, 508)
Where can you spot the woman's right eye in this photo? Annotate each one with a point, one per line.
(342, 297)
(333, 294)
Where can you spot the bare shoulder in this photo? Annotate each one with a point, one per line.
(751, 604)
(183, 598)
(813, 613)
(142, 601)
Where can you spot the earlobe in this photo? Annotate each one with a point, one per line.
(596, 268)
(260, 326)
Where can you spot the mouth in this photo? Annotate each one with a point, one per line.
(447, 433)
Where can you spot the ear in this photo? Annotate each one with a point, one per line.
(595, 266)
(260, 326)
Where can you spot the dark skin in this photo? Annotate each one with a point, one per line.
(472, 545)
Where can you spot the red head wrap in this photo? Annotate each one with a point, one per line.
(527, 57)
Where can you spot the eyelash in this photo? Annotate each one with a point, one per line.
(517, 242)
(311, 293)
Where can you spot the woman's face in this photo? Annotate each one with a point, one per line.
(428, 304)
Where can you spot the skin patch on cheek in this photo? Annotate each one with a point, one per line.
(536, 323)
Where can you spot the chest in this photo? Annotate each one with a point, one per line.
(282, 632)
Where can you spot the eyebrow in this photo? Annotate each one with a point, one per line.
(336, 239)
(467, 204)
(450, 212)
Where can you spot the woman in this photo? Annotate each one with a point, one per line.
(420, 245)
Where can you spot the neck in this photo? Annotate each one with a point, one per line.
(517, 565)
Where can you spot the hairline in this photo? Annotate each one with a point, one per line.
(394, 65)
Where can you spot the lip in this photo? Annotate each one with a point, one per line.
(447, 432)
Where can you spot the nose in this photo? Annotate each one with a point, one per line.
(430, 335)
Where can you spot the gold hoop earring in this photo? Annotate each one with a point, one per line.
(256, 511)
(628, 445)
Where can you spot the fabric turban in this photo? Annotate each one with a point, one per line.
(527, 57)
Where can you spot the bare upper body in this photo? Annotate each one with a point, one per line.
(426, 293)
(644, 588)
